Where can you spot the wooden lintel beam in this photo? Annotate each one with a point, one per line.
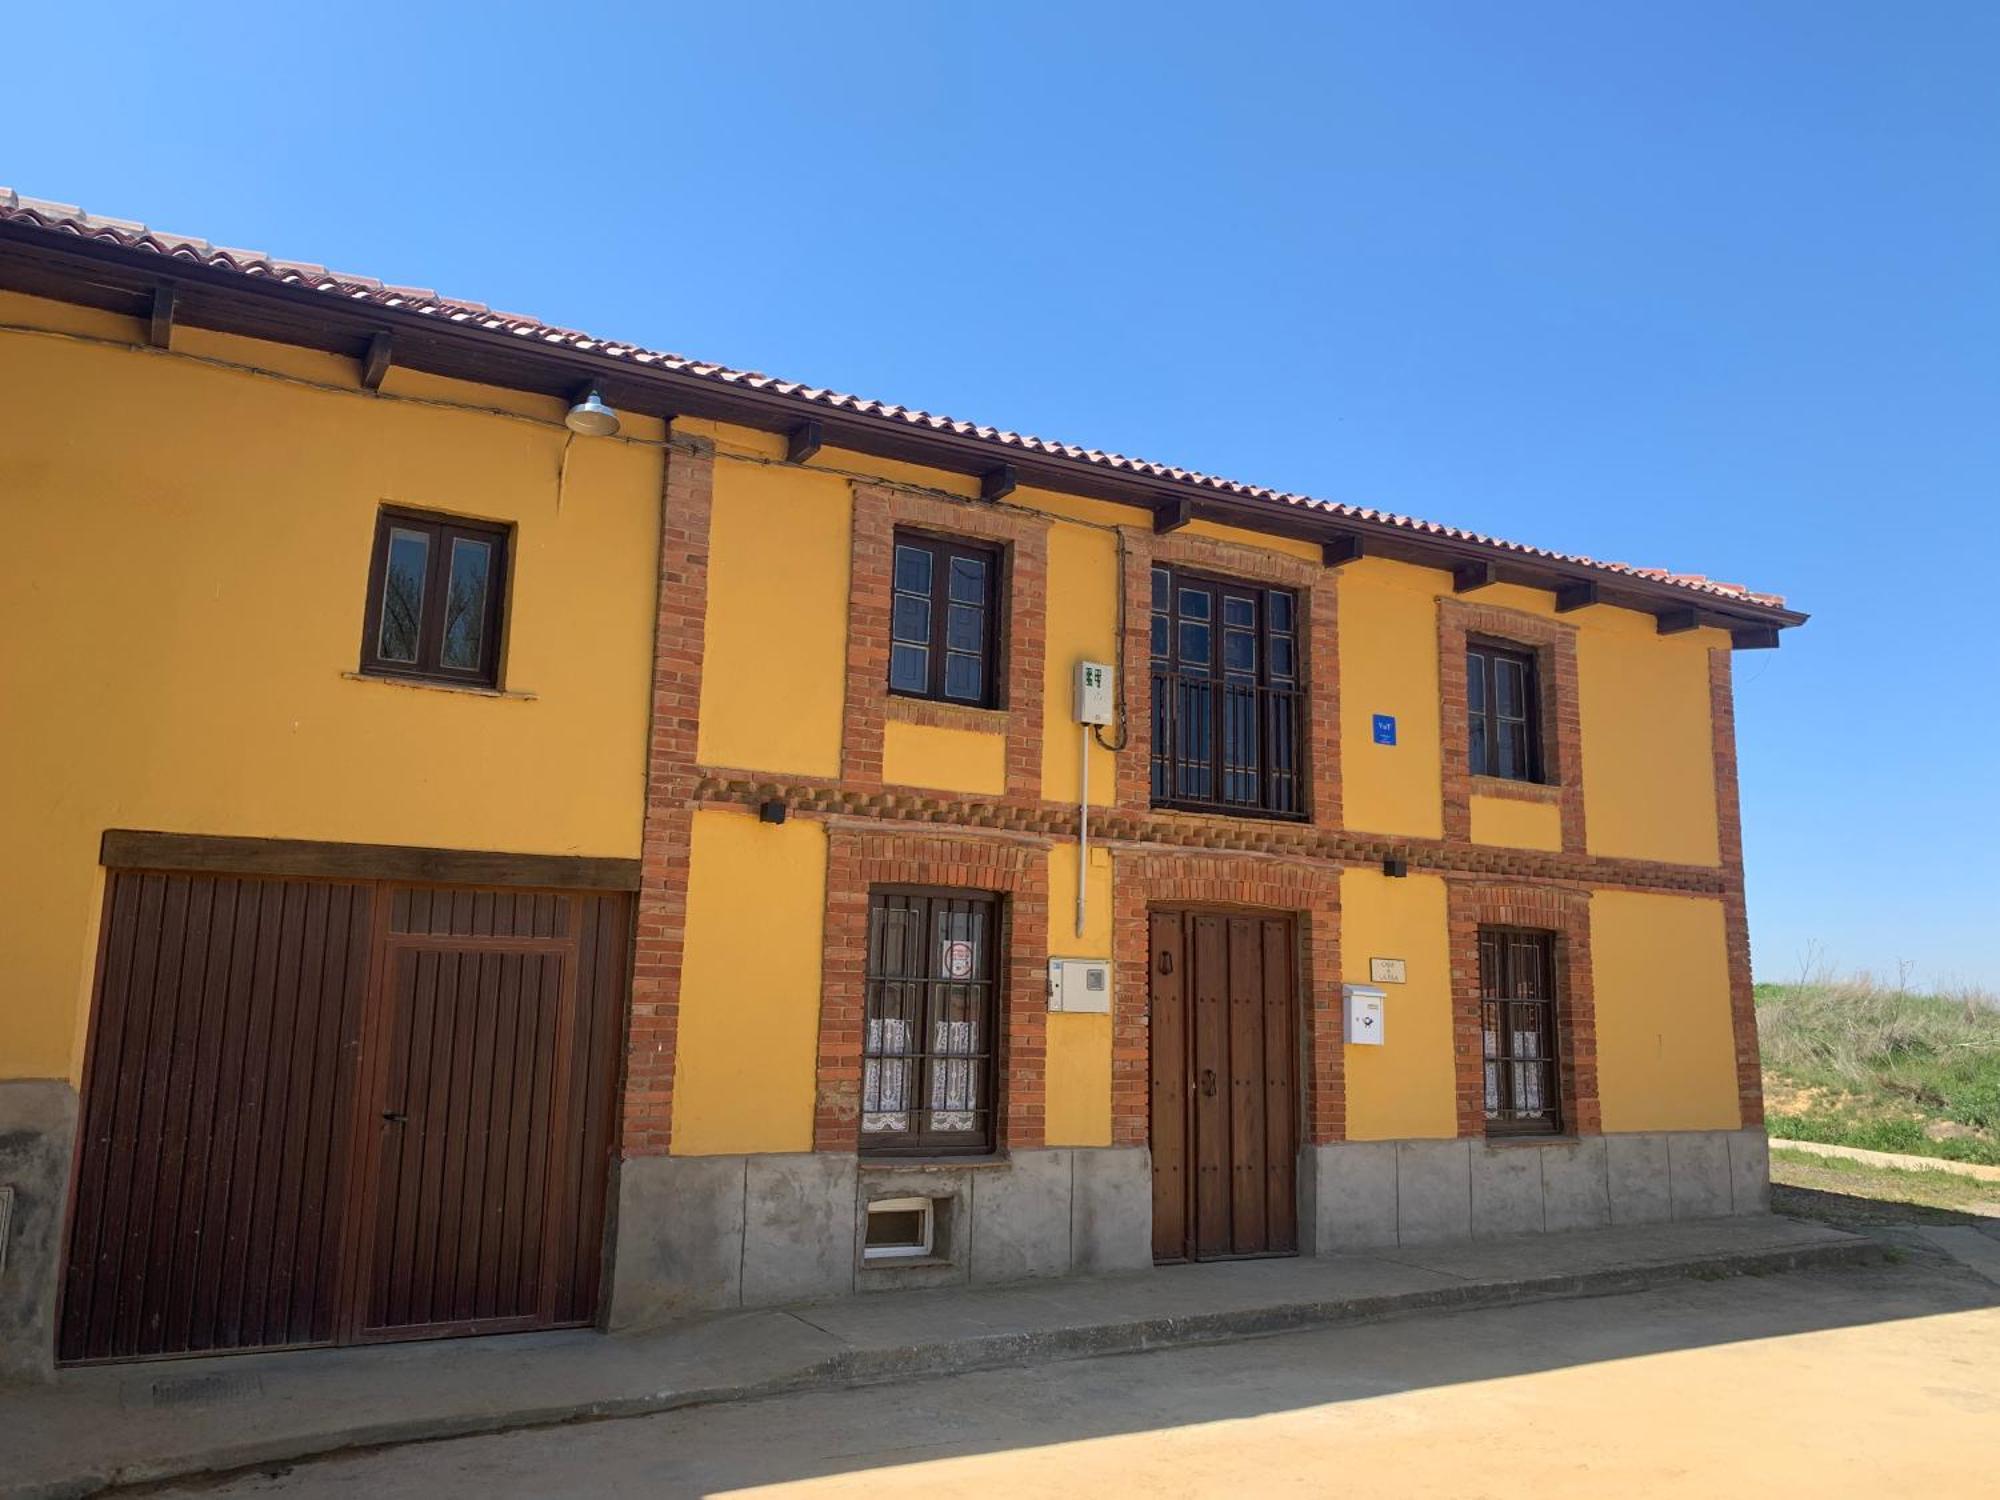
(803, 441)
(1173, 516)
(160, 326)
(1342, 550)
(1676, 621)
(375, 363)
(1578, 595)
(1754, 638)
(1473, 575)
(998, 484)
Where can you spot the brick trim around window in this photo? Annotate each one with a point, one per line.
(1145, 878)
(1319, 637)
(1735, 912)
(1561, 727)
(1021, 632)
(687, 498)
(860, 857)
(1565, 912)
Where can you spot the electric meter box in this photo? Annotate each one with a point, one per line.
(1093, 693)
(1362, 1007)
(1080, 985)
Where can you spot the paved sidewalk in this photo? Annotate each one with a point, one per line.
(101, 1426)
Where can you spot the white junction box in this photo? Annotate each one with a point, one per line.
(1094, 697)
(1080, 985)
(1362, 1006)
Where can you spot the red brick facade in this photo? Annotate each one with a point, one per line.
(879, 833)
(686, 501)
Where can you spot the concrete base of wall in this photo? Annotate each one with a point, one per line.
(37, 1130)
(1361, 1195)
(695, 1233)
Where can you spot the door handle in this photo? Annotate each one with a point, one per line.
(1208, 1083)
(394, 1116)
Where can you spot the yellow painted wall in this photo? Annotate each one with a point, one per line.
(1082, 625)
(1388, 665)
(1405, 1088)
(1666, 1054)
(1648, 751)
(959, 760)
(1515, 824)
(774, 673)
(1079, 1046)
(182, 604)
(750, 985)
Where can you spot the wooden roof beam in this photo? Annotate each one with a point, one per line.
(1172, 516)
(998, 484)
(1473, 575)
(803, 441)
(160, 322)
(376, 361)
(1577, 595)
(1341, 550)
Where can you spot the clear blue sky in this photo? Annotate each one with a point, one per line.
(1711, 286)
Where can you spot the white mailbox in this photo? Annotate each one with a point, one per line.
(1362, 1004)
(1094, 702)
(1080, 984)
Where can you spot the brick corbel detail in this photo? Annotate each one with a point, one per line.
(878, 511)
(1145, 878)
(859, 857)
(1319, 640)
(1558, 909)
(1735, 911)
(1554, 645)
(687, 499)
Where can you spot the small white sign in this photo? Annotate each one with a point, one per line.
(957, 960)
(1385, 971)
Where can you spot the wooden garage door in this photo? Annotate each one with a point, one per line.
(1224, 1123)
(245, 1046)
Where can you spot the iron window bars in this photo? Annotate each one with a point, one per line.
(928, 1056)
(1517, 1018)
(1228, 709)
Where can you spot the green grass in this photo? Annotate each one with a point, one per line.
(1855, 1194)
(1860, 1063)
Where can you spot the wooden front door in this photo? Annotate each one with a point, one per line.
(1224, 1121)
(322, 1111)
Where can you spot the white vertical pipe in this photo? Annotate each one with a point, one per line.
(1083, 832)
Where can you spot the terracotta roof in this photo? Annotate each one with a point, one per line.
(64, 218)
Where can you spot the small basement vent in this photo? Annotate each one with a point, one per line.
(899, 1229)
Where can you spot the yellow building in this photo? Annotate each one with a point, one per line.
(466, 773)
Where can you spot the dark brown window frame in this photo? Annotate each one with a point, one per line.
(942, 549)
(442, 531)
(1290, 695)
(1481, 653)
(1509, 1120)
(918, 1141)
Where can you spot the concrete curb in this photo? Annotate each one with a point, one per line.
(859, 1367)
(1896, 1160)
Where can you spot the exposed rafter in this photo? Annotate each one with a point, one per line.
(375, 363)
(1754, 638)
(1577, 595)
(998, 484)
(1473, 575)
(1342, 550)
(160, 326)
(803, 441)
(1173, 515)
(1677, 621)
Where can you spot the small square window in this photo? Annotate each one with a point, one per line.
(433, 611)
(944, 620)
(899, 1229)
